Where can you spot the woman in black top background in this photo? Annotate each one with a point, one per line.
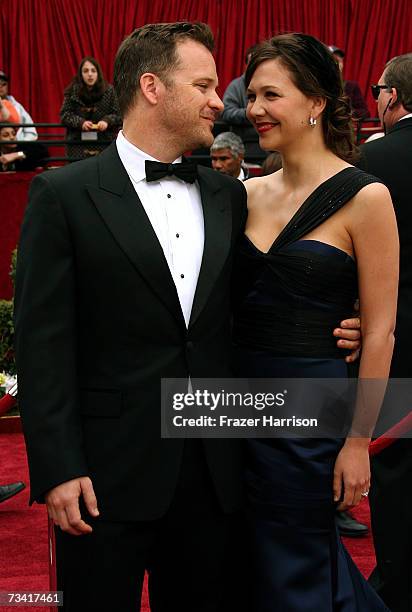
(89, 107)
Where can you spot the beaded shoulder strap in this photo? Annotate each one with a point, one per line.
(329, 197)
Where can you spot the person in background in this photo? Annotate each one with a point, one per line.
(351, 88)
(227, 154)
(235, 99)
(20, 116)
(234, 112)
(18, 155)
(272, 163)
(390, 159)
(8, 112)
(90, 110)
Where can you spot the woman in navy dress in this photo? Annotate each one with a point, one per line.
(319, 233)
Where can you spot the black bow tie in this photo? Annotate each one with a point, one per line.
(157, 170)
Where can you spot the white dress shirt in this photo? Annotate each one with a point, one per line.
(174, 209)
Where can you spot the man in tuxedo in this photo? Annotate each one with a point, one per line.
(390, 159)
(123, 279)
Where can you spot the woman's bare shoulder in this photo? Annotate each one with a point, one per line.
(260, 186)
(374, 198)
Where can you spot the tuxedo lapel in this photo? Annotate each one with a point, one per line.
(121, 210)
(218, 227)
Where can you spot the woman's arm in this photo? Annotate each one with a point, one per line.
(373, 229)
(376, 243)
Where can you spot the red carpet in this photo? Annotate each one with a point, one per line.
(23, 531)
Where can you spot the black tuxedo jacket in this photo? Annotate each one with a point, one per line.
(390, 159)
(98, 324)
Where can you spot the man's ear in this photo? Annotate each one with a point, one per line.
(394, 98)
(150, 85)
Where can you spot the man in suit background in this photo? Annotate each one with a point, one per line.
(227, 154)
(390, 159)
(234, 112)
(123, 278)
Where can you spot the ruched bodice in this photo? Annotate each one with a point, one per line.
(289, 300)
(293, 298)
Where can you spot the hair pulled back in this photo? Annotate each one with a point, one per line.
(315, 72)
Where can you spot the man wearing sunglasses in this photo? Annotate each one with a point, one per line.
(390, 159)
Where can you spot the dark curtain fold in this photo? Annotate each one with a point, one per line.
(43, 41)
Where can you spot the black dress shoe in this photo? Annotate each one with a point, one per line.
(7, 491)
(350, 527)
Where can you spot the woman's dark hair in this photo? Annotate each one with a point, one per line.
(85, 93)
(315, 72)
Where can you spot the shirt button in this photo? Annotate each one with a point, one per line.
(182, 276)
(177, 235)
(168, 195)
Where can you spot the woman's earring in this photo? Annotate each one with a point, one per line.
(312, 121)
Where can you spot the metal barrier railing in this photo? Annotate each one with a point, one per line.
(362, 131)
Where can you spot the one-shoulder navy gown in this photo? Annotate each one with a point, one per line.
(289, 300)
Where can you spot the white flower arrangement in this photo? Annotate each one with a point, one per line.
(6, 383)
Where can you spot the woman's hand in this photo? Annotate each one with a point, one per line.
(87, 126)
(349, 338)
(8, 158)
(352, 472)
(102, 126)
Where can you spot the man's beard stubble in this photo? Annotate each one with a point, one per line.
(185, 129)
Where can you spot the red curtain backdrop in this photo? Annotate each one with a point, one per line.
(43, 41)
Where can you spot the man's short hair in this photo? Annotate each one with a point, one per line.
(398, 73)
(229, 140)
(152, 48)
